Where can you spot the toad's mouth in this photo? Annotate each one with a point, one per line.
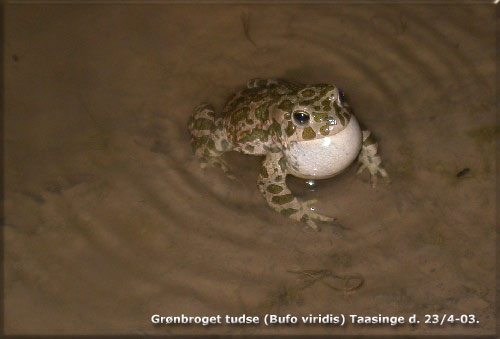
(325, 157)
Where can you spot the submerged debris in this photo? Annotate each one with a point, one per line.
(463, 172)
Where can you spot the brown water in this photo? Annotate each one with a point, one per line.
(109, 218)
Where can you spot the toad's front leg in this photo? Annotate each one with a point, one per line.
(272, 184)
(369, 159)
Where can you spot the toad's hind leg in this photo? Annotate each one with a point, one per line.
(208, 139)
(273, 186)
(369, 158)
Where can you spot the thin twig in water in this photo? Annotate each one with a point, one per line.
(292, 293)
(245, 19)
(319, 275)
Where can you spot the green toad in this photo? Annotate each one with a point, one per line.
(304, 130)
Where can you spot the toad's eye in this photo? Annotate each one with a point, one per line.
(341, 97)
(301, 118)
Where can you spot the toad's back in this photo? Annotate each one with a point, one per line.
(248, 121)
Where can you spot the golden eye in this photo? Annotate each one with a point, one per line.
(301, 118)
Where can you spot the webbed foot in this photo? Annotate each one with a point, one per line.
(374, 171)
(217, 162)
(310, 217)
